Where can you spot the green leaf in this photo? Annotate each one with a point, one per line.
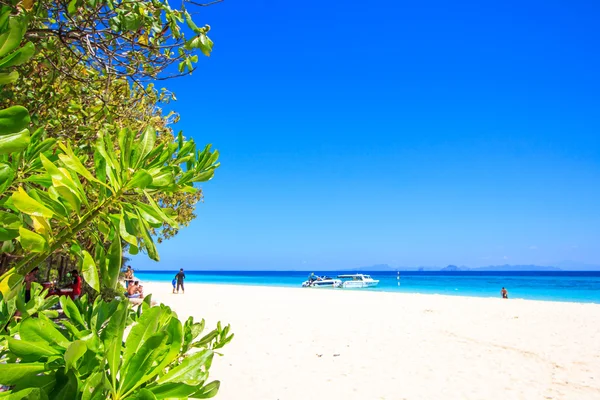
(63, 182)
(72, 7)
(144, 147)
(70, 309)
(18, 57)
(11, 373)
(8, 77)
(164, 177)
(140, 179)
(13, 119)
(14, 142)
(44, 382)
(109, 164)
(27, 205)
(173, 391)
(140, 367)
(11, 39)
(7, 175)
(126, 230)
(66, 386)
(204, 176)
(31, 350)
(190, 23)
(92, 386)
(114, 259)
(208, 391)
(145, 394)
(207, 338)
(72, 162)
(31, 241)
(89, 271)
(10, 284)
(112, 337)
(206, 44)
(189, 370)
(147, 325)
(148, 242)
(39, 330)
(9, 220)
(148, 214)
(126, 138)
(31, 393)
(55, 206)
(74, 352)
(159, 211)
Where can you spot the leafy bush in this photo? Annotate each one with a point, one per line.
(89, 356)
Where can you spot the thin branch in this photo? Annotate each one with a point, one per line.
(204, 4)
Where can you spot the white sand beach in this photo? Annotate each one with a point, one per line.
(334, 344)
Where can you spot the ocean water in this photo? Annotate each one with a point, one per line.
(551, 286)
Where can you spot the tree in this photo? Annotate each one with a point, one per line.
(89, 71)
(134, 39)
(56, 197)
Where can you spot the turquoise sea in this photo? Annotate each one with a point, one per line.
(551, 286)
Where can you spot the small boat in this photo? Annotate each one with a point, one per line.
(358, 281)
(322, 281)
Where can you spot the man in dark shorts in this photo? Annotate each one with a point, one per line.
(504, 293)
(180, 277)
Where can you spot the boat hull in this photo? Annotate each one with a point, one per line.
(359, 284)
(332, 283)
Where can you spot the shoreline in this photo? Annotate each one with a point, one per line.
(323, 344)
(257, 285)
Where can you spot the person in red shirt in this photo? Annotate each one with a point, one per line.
(76, 284)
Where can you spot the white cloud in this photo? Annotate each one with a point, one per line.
(533, 247)
(505, 257)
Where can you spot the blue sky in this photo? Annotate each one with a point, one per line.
(407, 133)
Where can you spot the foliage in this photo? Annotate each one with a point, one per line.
(56, 201)
(183, 205)
(90, 357)
(14, 134)
(134, 39)
(83, 195)
(89, 54)
(39, 302)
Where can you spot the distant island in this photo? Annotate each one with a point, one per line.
(499, 268)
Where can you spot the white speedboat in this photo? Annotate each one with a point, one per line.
(322, 281)
(358, 281)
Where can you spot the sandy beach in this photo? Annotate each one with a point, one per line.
(334, 344)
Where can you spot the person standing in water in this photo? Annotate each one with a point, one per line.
(180, 277)
(504, 293)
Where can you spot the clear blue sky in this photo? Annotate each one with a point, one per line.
(399, 132)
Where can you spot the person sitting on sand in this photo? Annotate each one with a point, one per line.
(134, 291)
(128, 276)
(76, 285)
(504, 293)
